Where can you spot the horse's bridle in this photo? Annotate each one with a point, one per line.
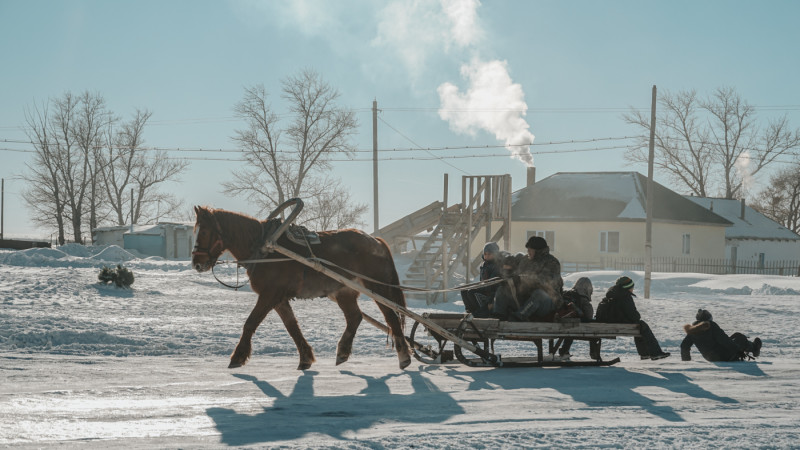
(211, 249)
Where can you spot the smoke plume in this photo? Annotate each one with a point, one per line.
(492, 103)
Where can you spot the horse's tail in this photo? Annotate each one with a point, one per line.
(395, 293)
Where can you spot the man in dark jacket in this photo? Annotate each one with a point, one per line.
(713, 343)
(618, 307)
(476, 301)
(537, 284)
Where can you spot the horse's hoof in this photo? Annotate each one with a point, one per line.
(341, 359)
(234, 365)
(303, 365)
(405, 363)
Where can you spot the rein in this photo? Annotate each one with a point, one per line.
(462, 287)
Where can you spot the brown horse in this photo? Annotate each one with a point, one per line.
(277, 282)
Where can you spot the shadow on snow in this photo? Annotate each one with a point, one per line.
(301, 412)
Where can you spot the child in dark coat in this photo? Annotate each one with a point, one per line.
(713, 343)
(618, 307)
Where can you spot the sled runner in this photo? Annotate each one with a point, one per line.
(431, 347)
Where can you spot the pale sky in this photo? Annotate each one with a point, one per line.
(435, 68)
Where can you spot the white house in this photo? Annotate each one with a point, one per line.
(753, 237)
(591, 217)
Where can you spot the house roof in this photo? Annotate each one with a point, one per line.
(605, 197)
(754, 225)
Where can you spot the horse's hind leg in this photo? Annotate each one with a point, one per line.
(347, 299)
(242, 352)
(396, 327)
(284, 310)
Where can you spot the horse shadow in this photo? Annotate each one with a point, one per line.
(302, 412)
(597, 387)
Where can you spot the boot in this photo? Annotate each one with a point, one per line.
(756, 347)
(524, 313)
(594, 350)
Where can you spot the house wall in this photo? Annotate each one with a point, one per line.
(109, 237)
(580, 241)
(146, 244)
(749, 249)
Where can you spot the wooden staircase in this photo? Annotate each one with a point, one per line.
(448, 246)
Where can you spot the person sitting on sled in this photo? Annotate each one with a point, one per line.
(476, 301)
(537, 284)
(618, 307)
(713, 343)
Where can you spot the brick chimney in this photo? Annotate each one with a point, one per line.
(742, 217)
(531, 176)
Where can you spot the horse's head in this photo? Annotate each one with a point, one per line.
(208, 244)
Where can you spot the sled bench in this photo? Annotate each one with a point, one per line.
(485, 331)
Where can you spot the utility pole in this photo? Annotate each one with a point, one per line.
(375, 167)
(131, 210)
(2, 206)
(648, 243)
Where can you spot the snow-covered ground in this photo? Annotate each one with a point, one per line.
(89, 365)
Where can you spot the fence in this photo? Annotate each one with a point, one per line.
(700, 265)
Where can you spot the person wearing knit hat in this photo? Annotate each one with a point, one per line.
(477, 301)
(618, 307)
(714, 344)
(625, 283)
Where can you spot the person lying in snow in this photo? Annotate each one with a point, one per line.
(618, 307)
(476, 301)
(713, 343)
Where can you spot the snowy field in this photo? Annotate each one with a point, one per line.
(93, 366)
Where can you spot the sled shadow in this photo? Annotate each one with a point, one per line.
(301, 412)
(597, 387)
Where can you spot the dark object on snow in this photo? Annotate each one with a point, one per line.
(120, 276)
(714, 344)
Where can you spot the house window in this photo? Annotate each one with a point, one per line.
(549, 236)
(686, 244)
(609, 242)
(760, 260)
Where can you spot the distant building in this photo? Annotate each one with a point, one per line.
(168, 240)
(593, 216)
(753, 237)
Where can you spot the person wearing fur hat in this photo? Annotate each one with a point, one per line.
(618, 307)
(537, 285)
(713, 343)
(476, 301)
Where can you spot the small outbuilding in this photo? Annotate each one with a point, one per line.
(169, 240)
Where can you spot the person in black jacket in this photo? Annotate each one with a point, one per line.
(618, 307)
(713, 343)
(476, 301)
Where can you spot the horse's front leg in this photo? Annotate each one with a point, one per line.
(347, 299)
(284, 310)
(242, 352)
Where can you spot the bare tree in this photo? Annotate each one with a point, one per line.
(286, 161)
(332, 208)
(90, 125)
(150, 171)
(712, 145)
(780, 201)
(43, 194)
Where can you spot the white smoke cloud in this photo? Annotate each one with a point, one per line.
(463, 16)
(492, 103)
(742, 165)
